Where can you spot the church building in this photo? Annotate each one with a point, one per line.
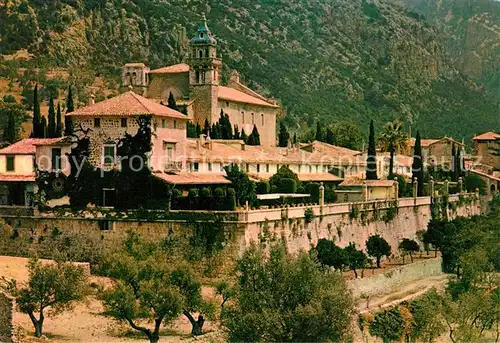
(196, 85)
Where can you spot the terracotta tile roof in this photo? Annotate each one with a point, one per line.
(127, 104)
(232, 152)
(355, 181)
(327, 177)
(487, 136)
(492, 177)
(173, 69)
(28, 146)
(428, 142)
(227, 93)
(52, 141)
(137, 65)
(17, 178)
(400, 160)
(186, 178)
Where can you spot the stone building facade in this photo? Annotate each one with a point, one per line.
(196, 85)
(485, 146)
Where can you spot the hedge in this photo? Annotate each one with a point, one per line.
(263, 187)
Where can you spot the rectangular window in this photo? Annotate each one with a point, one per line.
(299, 167)
(317, 168)
(56, 158)
(247, 167)
(267, 168)
(109, 155)
(97, 122)
(163, 124)
(209, 166)
(258, 168)
(11, 163)
(262, 119)
(175, 124)
(222, 167)
(124, 122)
(195, 166)
(310, 169)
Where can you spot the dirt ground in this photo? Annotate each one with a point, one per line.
(86, 322)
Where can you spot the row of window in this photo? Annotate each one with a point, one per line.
(265, 168)
(97, 122)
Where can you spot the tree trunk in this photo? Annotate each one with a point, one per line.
(435, 253)
(355, 273)
(411, 258)
(197, 324)
(38, 324)
(403, 258)
(154, 338)
(378, 262)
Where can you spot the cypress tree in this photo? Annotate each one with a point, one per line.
(226, 129)
(236, 134)
(294, 138)
(43, 128)
(417, 166)
(371, 160)
(197, 130)
(459, 163)
(68, 126)
(329, 138)
(51, 128)
(453, 162)
(283, 136)
(58, 121)
(391, 160)
(37, 117)
(244, 136)
(10, 133)
(319, 132)
(206, 127)
(171, 102)
(254, 138)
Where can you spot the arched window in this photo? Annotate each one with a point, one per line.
(127, 79)
(253, 118)
(262, 117)
(200, 53)
(243, 116)
(198, 77)
(206, 53)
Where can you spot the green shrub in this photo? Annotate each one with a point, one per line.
(176, 193)
(308, 215)
(219, 192)
(206, 192)
(263, 187)
(473, 181)
(313, 189)
(274, 189)
(287, 185)
(193, 193)
(231, 191)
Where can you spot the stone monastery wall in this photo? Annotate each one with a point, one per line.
(344, 223)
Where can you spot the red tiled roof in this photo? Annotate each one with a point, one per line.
(173, 69)
(427, 142)
(227, 93)
(27, 146)
(193, 178)
(494, 178)
(17, 178)
(355, 181)
(327, 177)
(127, 104)
(487, 136)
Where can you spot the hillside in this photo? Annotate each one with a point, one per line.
(323, 59)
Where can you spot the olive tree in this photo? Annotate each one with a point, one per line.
(356, 259)
(282, 297)
(378, 247)
(408, 247)
(56, 286)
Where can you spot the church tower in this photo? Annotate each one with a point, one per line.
(204, 69)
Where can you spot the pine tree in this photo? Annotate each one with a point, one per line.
(68, 125)
(43, 128)
(319, 132)
(371, 160)
(236, 134)
(329, 138)
(58, 121)
(283, 136)
(37, 117)
(418, 166)
(51, 128)
(171, 102)
(254, 138)
(10, 133)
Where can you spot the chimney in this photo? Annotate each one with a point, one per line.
(92, 99)
(234, 77)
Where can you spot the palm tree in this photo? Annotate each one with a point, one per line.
(394, 140)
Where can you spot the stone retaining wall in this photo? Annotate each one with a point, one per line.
(6, 326)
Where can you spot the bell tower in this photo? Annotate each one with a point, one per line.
(204, 70)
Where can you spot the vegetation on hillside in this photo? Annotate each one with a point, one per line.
(322, 59)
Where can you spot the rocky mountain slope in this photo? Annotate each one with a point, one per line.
(323, 59)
